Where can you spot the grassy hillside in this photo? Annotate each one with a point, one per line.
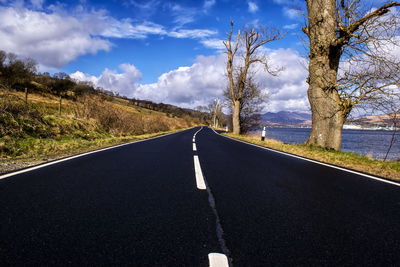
(35, 130)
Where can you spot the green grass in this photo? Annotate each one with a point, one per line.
(386, 169)
(37, 149)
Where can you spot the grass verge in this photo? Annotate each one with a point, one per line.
(34, 151)
(386, 169)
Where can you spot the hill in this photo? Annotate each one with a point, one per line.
(35, 130)
(299, 119)
(286, 119)
(46, 116)
(376, 121)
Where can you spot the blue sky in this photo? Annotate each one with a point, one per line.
(165, 51)
(155, 54)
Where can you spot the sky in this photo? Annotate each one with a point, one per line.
(163, 51)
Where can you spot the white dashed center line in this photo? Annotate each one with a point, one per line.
(215, 259)
(199, 174)
(218, 260)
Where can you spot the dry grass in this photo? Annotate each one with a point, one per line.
(387, 169)
(35, 130)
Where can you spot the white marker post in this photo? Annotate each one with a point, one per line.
(263, 134)
(226, 129)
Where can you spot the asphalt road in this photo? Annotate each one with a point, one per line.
(139, 205)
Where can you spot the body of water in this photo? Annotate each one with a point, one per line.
(373, 143)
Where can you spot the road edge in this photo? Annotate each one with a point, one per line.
(52, 162)
(370, 176)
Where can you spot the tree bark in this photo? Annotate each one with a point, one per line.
(327, 118)
(236, 117)
(327, 114)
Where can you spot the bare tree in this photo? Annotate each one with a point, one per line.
(215, 109)
(346, 34)
(251, 40)
(251, 103)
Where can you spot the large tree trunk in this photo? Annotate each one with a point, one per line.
(327, 118)
(327, 115)
(236, 117)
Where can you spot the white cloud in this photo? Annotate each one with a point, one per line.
(80, 76)
(292, 13)
(51, 39)
(208, 4)
(37, 3)
(291, 26)
(125, 83)
(213, 43)
(288, 90)
(182, 15)
(205, 80)
(54, 38)
(193, 33)
(253, 7)
(188, 86)
(125, 29)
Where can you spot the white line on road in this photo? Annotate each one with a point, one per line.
(79, 155)
(317, 162)
(218, 260)
(199, 174)
(194, 136)
(194, 147)
(197, 131)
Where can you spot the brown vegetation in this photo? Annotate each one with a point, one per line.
(35, 129)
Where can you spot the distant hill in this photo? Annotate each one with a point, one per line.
(302, 119)
(375, 121)
(286, 118)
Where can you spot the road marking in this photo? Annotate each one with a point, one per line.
(194, 147)
(315, 161)
(197, 132)
(79, 155)
(198, 173)
(194, 136)
(218, 260)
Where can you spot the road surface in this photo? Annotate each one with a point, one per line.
(191, 199)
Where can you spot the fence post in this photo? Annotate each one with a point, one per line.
(26, 95)
(59, 107)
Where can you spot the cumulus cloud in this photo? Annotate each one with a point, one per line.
(124, 82)
(288, 90)
(54, 38)
(205, 80)
(253, 7)
(51, 39)
(188, 86)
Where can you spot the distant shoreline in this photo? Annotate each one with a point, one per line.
(345, 127)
